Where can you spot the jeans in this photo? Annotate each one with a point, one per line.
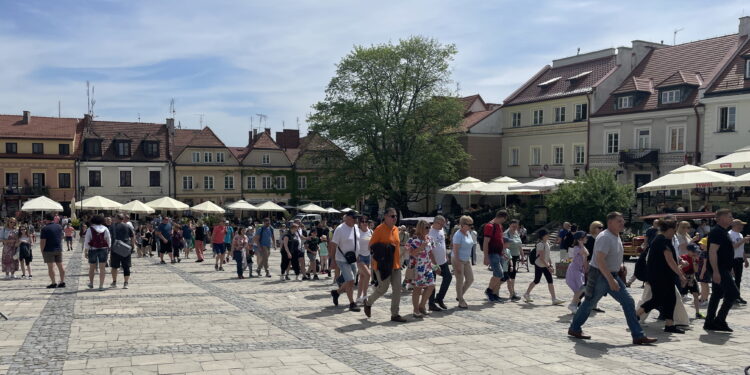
(237, 255)
(445, 273)
(726, 290)
(394, 281)
(737, 265)
(599, 288)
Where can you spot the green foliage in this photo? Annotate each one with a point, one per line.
(389, 108)
(75, 223)
(595, 194)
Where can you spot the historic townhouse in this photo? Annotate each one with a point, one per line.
(727, 103)
(205, 168)
(267, 172)
(546, 121)
(37, 157)
(652, 122)
(309, 159)
(125, 160)
(480, 137)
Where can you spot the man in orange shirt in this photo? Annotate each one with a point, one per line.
(387, 233)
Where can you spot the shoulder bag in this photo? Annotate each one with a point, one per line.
(351, 256)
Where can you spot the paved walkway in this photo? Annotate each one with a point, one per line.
(188, 318)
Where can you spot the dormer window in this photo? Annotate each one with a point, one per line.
(151, 149)
(671, 96)
(122, 148)
(92, 147)
(625, 102)
(549, 82)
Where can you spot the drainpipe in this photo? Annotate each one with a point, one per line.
(697, 133)
(588, 131)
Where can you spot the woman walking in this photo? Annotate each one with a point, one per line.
(575, 276)
(363, 259)
(178, 243)
(289, 250)
(239, 245)
(542, 266)
(421, 259)
(10, 248)
(26, 241)
(463, 245)
(200, 240)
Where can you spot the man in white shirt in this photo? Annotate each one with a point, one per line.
(437, 235)
(345, 240)
(740, 258)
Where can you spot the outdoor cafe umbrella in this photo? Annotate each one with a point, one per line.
(542, 184)
(41, 204)
(345, 210)
(463, 187)
(241, 205)
(501, 186)
(208, 207)
(271, 207)
(98, 202)
(136, 207)
(313, 209)
(739, 159)
(743, 180)
(689, 177)
(167, 204)
(332, 210)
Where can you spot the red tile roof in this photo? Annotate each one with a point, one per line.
(556, 82)
(205, 137)
(12, 126)
(469, 100)
(238, 152)
(732, 78)
(699, 62)
(292, 154)
(136, 132)
(474, 118)
(264, 141)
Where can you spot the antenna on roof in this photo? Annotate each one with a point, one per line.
(139, 117)
(297, 122)
(172, 111)
(674, 36)
(283, 125)
(261, 119)
(59, 111)
(93, 101)
(578, 52)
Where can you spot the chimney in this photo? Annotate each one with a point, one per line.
(255, 134)
(26, 117)
(744, 28)
(170, 122)
(249, 138)
(268, 131)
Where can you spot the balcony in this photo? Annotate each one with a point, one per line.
(642, 156)
(26, 190)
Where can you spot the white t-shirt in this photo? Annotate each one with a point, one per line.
(343, 237)
(611, 245)
(363, 239)
(439, 251)
(739, 252)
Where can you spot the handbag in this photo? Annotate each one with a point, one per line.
(17, 254)
(121, 248)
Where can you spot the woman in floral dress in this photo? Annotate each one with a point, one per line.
(9, 236)
(421, 258)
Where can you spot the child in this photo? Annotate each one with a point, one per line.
(178, 243)
(69, 232)
(507, 265)
(704, 274)
(543, 266)
(323, 251)
(690, 268)
(575, 276)
(25, 251)
(312, 245)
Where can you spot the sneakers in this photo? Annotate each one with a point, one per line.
(673, 329)
(398, 319)
(741, 301)
(268, 274)
(573, 307)
(286, 277)
(335, 296)
(281, 277)
(515, 298)
(90, 285)
(125, 285)
(527, 298)
(61, 285)
(221, 268)
(557, 302)
(113, 285)
(361, 300)
(716, 326)
(353, 307)
(258, 271)
(699, 316)
(316, 277)
(434, 307)
(50, 286)
(162, 262)
(216, 267)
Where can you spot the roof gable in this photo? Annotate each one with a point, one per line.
(264, 141)
(732, 77)
(12, 126)
(681, 78)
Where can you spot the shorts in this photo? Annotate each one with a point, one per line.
(52, 256)
(312, 255)
(497, 268)
(117, 261)
(514, 260)
(364, 259)
(347, 270)
(165, 247)
(691, 287)
(298, 254)
(24, 253)
(68, 239)
(218, 248)
(97, 255)
(539, 271)
(190, 243)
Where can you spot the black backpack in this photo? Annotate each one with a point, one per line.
(641, 268)
(532, 255)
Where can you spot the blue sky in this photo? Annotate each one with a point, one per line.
(230, 60)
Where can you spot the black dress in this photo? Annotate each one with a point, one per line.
(661, 278)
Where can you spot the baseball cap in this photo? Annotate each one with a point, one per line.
(738, 221)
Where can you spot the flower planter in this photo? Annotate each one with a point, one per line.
(561, 269)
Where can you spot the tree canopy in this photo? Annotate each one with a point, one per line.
(389, 107)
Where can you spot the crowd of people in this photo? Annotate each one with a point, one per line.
(364, 260)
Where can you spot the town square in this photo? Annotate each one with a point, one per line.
(347, 188)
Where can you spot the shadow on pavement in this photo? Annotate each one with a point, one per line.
(714, 338)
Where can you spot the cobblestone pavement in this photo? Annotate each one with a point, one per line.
(188, 318)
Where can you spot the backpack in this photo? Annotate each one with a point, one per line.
(641, 269)
(98, 241)
(480, 235)
(532, 256)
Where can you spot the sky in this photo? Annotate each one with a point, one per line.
(226, 61)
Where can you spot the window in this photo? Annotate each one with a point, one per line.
(612, 142)
(208, 182)
(302, 182)
(63, 149)
(207, 157)
(625, 102)
(154, 178)
(37, 180)
(727, 118)
(280, 182)
(676, 139)
(92, 147)
(538, 117)
(219, 157)
(643, 138)
(747, 68)
(63, 180)
(536, 155)
(516, 122)
(266, 182)
(196, 157)
(187, 182)
(266, 159)
(126, 178)
(228, 182)
(151, 149)
(670, 96)
(95, 178)
(557, 155)
(560, 114)
(251, 182)
(11, 148)
(11, 180)
(579, 154)
(514, 156)
(122, 148)
(37, 148)
(582, 111)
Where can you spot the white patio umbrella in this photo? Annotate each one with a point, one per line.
(332, 210)
(689, 177)
(241, 205)
(739, 159)
(97, 202)
(313, 209)
(167, 204)
(208, 207)
(271, 207)
(136, 207)
(542, 184)
(41, 204)
(501, 186)
(345, 210)
(743, 180)
(463, 187)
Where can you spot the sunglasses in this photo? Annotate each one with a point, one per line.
(393, 216)
(600, 227)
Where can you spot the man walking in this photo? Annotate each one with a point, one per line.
(50, 241)
(217, 244)
(264, 237)
(386, 234)
(164, 233)
(603, 279)
(437, 235)
(721, 256)
(493, 248)
(740, 257)
(125, 234)
(345, 240)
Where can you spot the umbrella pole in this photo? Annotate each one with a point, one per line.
(690, 199)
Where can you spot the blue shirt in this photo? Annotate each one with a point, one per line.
(165, 230)
(53, 235)
(228, 236)
(466, 244)
(187, 233)
(264, 235)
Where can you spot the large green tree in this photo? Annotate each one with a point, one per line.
(390, 108)
(593, 195)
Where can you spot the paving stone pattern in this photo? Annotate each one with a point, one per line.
(188, 318)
